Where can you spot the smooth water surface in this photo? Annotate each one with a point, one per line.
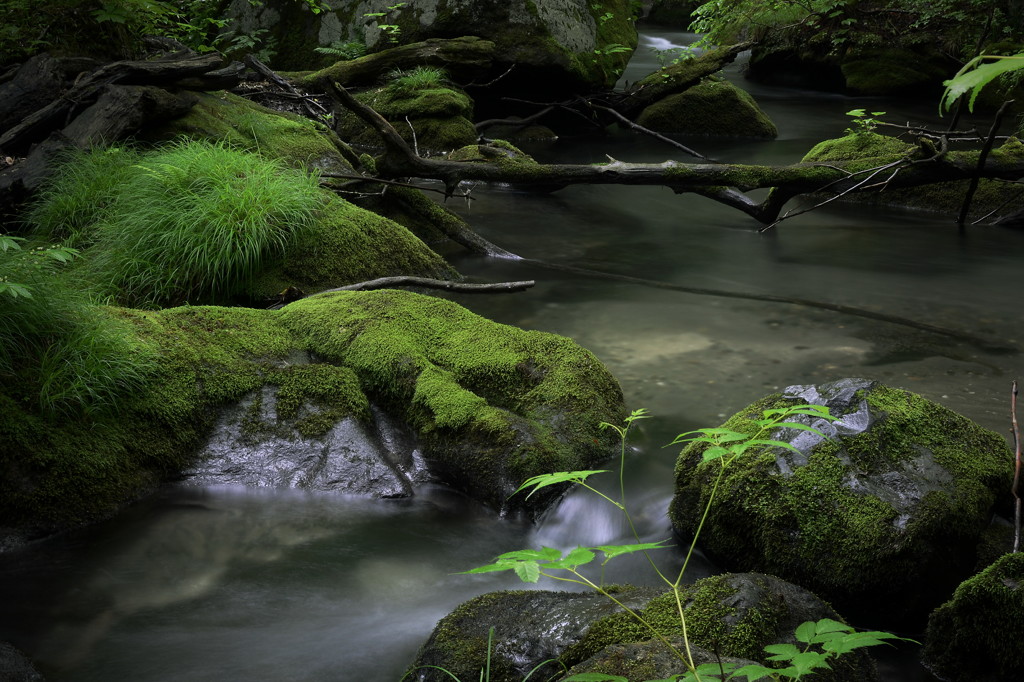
(226, 584)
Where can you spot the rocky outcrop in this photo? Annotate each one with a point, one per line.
(714, 107)
(977, 635)
(880, 517)
(16, 666)
(554, 45)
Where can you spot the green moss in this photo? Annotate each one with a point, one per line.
(447, 371)
(335, 390)
(297, 141)
(891, 70)
(348, 244)
(870, 150)
(715, 107)
(439, 117)
(712, 622)
(978, 633)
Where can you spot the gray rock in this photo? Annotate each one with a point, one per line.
(16, 666)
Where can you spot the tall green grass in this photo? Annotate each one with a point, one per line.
(59, 353)
(190, 222)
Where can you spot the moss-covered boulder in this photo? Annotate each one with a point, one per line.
(715, 107)
(531, 628)
(228, 118)
(993, 199)
(555, 45)
(881, 517)
(489, 405)
(733, 615)
(432, 117)
(978, 634)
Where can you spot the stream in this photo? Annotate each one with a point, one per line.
(228, 584)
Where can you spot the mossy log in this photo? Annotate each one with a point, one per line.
(724, 183)
(463, 58)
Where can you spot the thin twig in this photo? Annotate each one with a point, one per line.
(655, 135)
(1016, 471)
(982, 155)
(428, 283)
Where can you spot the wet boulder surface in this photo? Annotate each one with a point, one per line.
(880, 517)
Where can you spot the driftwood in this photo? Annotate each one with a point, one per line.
(722, 182)
(62, 110)
(421, 283)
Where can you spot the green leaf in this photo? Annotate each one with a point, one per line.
(14, 290)
(781, 652)
(612, 551)
(805, 631)
(543, 554)
(755, 672)
(544, 480)
(528, 571)
(975, 75)
(715, 452)
(577, 557)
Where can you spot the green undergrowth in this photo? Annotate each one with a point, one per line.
(186, 222)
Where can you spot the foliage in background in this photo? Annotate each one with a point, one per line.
(960, 25)
(58, 352)
(822, 640)
(187, 222)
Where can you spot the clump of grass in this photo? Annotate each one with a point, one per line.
(345, 51)
(417, 78)
(188, 222)
(85, 186)
(57, 350)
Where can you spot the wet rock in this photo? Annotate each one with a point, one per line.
(253, 444)
(16, 666)
(978, 635)
(880, 517)
(715, 107)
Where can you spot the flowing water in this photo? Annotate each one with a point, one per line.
(226, 584)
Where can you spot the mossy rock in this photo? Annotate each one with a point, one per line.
(878, 518)
(531, 628)
(735, 615)
(896, 70)
(490, 405)
(298, 141)
(978, 634)
(495, 151)
(871, 150)
(349, 244)
(439, 118)
(715, 107)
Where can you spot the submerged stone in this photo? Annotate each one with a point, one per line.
(880, 517)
